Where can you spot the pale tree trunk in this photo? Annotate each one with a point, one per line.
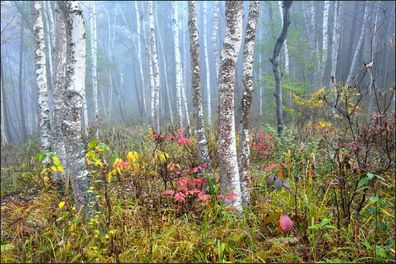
(155, 72)
(94, 51)
(247, 75)
(338, 9)
(41, 77)
(311, 30)
(354, 65)
(184, 85)
(214, 36)
(275, 67)
(74, 92)
(229, 172)
(48, 41)
(20, 83)
(202, 146)
(140, 57)
(178, 66)
(110, 47)
(373, 49)
(261, 85)
(325, 42)
(287, 69)
(4, 134)
(161, 45)
(207, 68)
(58, 142)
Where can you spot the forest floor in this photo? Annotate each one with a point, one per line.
(152, 207)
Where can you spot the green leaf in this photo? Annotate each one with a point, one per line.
(324, 222)
(92, 144)
(6, 247)
(56, 161)
(367, 245)
(370, 175)
(40, 157)
(373, 199)
(104, 146)
(363, 181)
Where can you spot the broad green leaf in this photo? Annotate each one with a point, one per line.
(373, 199)
(363, 181)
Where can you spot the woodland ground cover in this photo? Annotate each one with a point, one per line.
(153, 207)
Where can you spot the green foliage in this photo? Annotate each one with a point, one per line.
(130, 171)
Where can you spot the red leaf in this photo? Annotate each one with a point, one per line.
(285, 224)
(270, 167)
(180, 197)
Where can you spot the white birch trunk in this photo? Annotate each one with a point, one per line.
(325, 42)
(179, 68)
(94, 50)
(354, 65)
(74, 98)
(49, 44)
(4, 134)
(202, 146)
(207, 68)
(261, 86)
(41, 77)
(155, 72)
(229, 172)
(58, 142)
(245, 108)
(183, 91)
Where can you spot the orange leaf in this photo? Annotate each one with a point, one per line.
(280, 173)
(270, 167)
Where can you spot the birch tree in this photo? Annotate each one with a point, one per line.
(325, 43)
(207, 68)
(229, 172)
(203, 153)
(73, 97)
(275, 66)
(155, 72)
(178, 69)
(58, 142)
(94, 51)
(41, 78)
(247, 75)
(20, 78)
(354, 65)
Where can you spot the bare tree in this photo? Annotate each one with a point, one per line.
(41, 75)
(202, 146)
(287, 69)
(275, 66)
(215, 30)
(20, 81)
(4, 135)
(155, 72)
(325, 42)
(229, 172)
(244, 139)
(73, 98)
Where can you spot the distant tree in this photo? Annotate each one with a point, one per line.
(202, 146)
(207, 68)
(354, 65)
(4, 131)
(94, 73)
(275, 66)
(325, 42)
(41, 75)
(247, 80)
(229, 172)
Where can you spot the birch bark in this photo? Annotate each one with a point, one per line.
(202, 146)
(155, 72)
(229, 172)
(41, 78)
(179, 69)
(245, 108)
(325, 33)
(73, 98)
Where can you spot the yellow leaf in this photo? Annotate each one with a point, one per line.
(109, 175)
(132, 156)
(61, 204)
